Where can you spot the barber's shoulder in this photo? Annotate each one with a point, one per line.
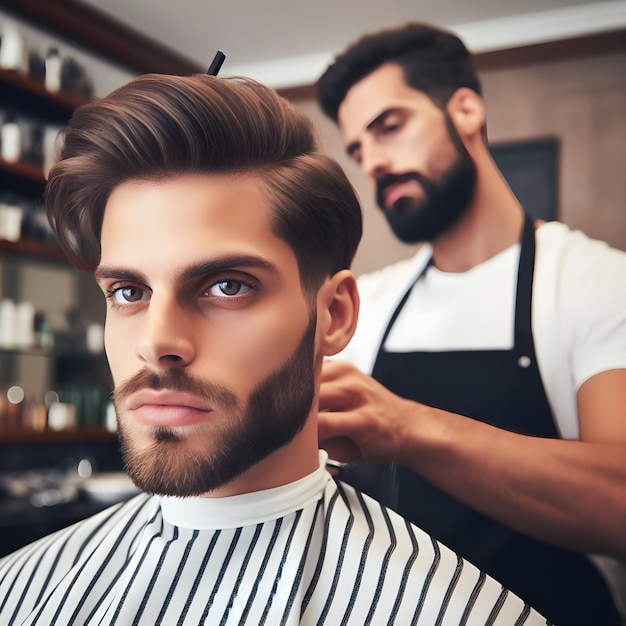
(573, 251)
(582, 275)
(393, 277)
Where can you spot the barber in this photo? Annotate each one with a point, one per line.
(496, 405)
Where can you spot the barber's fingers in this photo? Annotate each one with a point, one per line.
(336, 424)
(340, 449)
(335, 397)
(334, 370)
(343, 388)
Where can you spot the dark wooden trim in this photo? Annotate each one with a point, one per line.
(98, 33)
(26, 83)
(303, 92)
(608, 42)
(23, 169)
(34, 250)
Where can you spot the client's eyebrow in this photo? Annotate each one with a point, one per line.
(106, 272)
(190, 272)
(198, 270)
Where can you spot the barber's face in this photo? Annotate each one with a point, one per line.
(410, 150)
(210, 340)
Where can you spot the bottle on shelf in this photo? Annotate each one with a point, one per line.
(51, 146)
(17, 324)
(44, 337)
(54, 68)
(36, 66)
(8, 321)
(11, 218)
(25, 325)
(11, 139)
(61, 416)
(74, 407)
(13, 50)
(32, 133)
(11, 407)
(37, 350)
(36, 414)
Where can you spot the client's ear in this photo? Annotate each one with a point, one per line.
(337, 312)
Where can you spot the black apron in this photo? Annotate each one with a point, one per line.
(502, 388)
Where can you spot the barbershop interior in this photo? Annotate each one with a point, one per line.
(554, 86)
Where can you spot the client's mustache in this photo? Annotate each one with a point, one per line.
(175, 379)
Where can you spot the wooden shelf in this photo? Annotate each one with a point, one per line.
(28, 97)
(24, 170)
(33, 249)
(32, 86)
(31, 97)
(56, 436)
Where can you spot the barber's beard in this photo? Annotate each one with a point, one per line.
(444, 201)
(195, 460)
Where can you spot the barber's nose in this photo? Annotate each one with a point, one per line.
(166, 338)
(375, 161)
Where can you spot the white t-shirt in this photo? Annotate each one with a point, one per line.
(578, 314)
(313, 552)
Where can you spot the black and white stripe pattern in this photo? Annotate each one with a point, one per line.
(340, 560)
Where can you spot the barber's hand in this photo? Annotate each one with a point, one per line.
(359, 417)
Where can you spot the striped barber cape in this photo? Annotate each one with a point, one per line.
(313, 552)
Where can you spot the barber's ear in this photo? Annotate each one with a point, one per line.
(337, 312)
(467, 112)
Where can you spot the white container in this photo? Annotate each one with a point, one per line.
(11, 222)
(54, 64)
(13, 53)
(110, 421)
(11, 141)
(52, 144)
(61, 415)
(25, 325)
(8, 316)
(95, 338)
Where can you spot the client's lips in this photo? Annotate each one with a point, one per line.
(167, 408)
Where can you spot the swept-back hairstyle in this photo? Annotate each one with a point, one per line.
(433, 60)
(158, 126)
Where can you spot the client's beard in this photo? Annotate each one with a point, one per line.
(204, 457)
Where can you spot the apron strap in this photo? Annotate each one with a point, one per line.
(523, 338)
(523, 299)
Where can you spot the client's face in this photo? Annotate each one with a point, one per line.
(210, 339)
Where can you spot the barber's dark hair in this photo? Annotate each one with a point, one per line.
(434, 61)
(159, 126)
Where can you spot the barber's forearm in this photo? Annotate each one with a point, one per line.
(568, 493)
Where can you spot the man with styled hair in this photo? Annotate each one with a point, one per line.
(489, 370)
(222, 239)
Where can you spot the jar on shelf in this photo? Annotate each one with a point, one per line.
(11, 218)
(11, 139)
(13, 50)
(54, 68)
